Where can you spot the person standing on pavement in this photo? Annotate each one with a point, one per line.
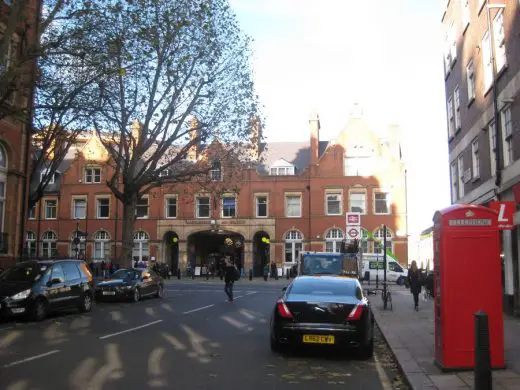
(230, 273)
(414, 279)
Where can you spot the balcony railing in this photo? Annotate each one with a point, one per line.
(4, 243)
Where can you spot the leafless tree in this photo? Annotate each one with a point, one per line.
(165, 64)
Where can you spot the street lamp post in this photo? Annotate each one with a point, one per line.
(76, 240)
(496, 115)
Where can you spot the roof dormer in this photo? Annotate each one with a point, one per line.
(281, 167)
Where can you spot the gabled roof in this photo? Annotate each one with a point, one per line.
(296, 153)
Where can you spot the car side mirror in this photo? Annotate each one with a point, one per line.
(284, 289)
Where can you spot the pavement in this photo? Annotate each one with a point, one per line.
(190, 339)
(410, 335)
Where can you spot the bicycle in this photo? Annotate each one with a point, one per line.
(386, 295)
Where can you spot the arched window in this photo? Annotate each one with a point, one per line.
(101, 246)
(30, 241)
(378, 240)
(333, 240)
(3, 185)
(293, 247)
(49, 241)
(141, 251)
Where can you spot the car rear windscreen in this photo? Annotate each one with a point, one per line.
(321, 287)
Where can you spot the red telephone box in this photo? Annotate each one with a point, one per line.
(468, 278)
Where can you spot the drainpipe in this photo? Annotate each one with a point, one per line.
(115, 229)
(496, 115)
(28, 133)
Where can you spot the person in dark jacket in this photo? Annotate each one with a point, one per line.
(414, 279)
(230, 273)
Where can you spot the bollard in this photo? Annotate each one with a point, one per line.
(287, 274)
(483, 378)
(178, 273)
(250, 274)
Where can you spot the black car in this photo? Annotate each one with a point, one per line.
(130, 283)
(326, 310)
(35, 288)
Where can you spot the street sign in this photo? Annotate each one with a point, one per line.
(506, 211)
(353, 219)
(353, 233)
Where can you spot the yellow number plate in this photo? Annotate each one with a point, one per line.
(315, 339)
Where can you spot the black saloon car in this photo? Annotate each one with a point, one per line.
(131, 283)
(327, 310)
(34, 288)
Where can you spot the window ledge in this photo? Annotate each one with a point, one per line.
(262, 216)
(170, 217)
(289, 216)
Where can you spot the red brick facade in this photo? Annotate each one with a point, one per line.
(307, 189)
(13, 146)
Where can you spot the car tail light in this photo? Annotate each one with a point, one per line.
(356, 313)
(283, 310)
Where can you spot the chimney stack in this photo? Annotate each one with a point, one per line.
(314, 124)
(195, 133)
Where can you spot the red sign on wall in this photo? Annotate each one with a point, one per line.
(506, 211)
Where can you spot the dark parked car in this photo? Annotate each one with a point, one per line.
(130, 283)
(328, 310)
(35, 288)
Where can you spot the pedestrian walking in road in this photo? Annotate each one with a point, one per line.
(230, 275)
(414, 279)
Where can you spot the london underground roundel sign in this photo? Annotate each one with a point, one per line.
(353, 233)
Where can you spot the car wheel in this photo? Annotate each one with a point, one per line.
(137, 295)
(400, 281)
(160, 291)
(39, 310)
(367, 351)
(86, 303)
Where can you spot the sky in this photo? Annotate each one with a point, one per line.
(324, 55)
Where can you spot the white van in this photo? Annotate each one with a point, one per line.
(374, 264)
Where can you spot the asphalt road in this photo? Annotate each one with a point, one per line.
(191, 339)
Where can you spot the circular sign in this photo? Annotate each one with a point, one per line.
(353, 232)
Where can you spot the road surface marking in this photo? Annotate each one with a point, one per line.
(251, 293)
(116, 315)
(174, 342)
(154, 368)
(382, 374)
(31, 358)
(9, 338)
(246, 314)
(7, 328)
(237, 324)
(198, 309)
(235, 298)
(130, 330)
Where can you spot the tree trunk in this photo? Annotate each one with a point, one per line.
(128, 231)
